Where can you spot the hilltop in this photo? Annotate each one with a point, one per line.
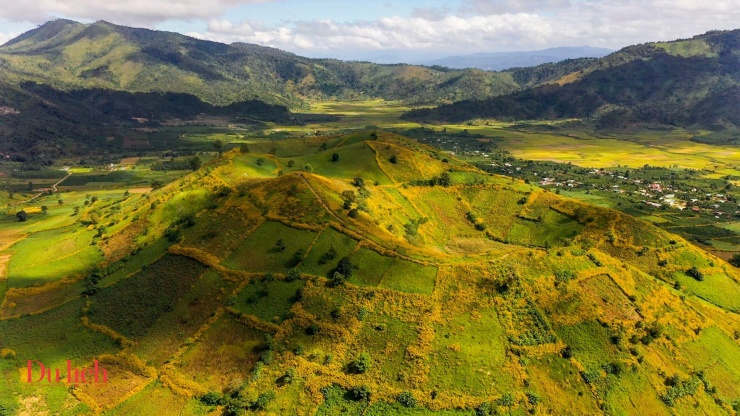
(367, 274)
(689, 82)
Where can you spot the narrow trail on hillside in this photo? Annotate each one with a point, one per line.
(321, 200)
(53, 188)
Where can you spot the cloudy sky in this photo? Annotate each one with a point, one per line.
(401, 29)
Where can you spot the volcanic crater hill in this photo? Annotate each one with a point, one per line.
(370, 274)
(688, 82)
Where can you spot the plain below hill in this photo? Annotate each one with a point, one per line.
(690, 82)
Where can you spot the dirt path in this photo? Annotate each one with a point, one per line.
(321, 200)
(53, 187)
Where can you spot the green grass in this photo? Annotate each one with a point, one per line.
(718, 289)
(553, 229)
(717, 355)
(51, 255)
(269, 301)
(410, 277)
(249, 166)
(225, 353)
(469, 354)
(590, 343)
(190, 312)
(156, 399)
(382, 409)
(318, 262)
(133, 306)
(369, 267)
(355, 160)
(261, 253)
(378, 333)
(131, 264)
(52, 338)
(338, 402)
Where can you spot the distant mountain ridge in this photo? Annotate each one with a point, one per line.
(70, 55)
(500, 61)
(689, 82)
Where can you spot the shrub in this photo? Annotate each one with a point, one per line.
(289, 376)
(212, 398)
(695, 273)
(406, 399)
(263, 400)
(360, 393)
(506, 400)
(362, 363)
(292, 275)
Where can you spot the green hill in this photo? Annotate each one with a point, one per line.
(69, 55)
(693, 82)
(290, 282)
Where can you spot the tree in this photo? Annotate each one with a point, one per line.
(60, 202)
(218, 144)
(308, 168)
(393, 159)
(244, 148)
(22, 216)
(291, 163)
(335, 157)
(44, 209)
(195, 163)
(344, 267)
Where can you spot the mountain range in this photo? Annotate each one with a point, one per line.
(690, 82)
(500, 61)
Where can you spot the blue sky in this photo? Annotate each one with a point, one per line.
(402, 30)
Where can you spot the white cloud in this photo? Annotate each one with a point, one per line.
(495, 31)
(489, 25)
(135, 12)
(4, 37)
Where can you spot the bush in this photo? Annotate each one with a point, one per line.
(695, 273)
(393, 159)
(289, 376)
(292, 275)
(263, 400)
(362, 363)
(212, 398)
(406, 399)
(360, 393)
(506, 400)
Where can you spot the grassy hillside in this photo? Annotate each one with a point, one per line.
(693, 82)
(290, 282)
